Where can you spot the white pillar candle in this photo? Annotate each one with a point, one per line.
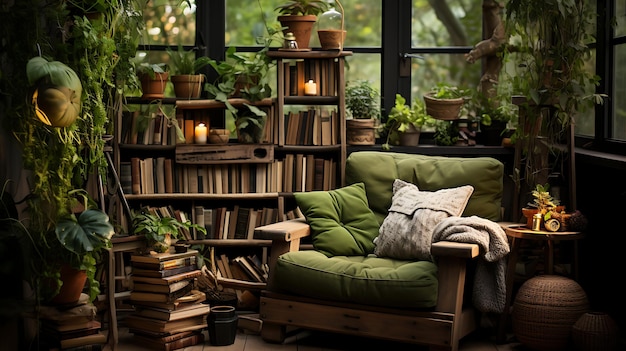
(201, 133)
(310, 88)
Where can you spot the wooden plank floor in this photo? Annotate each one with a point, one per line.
(318, 341)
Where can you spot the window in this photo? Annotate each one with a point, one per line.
(424, 43)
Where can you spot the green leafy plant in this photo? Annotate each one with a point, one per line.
(159, 229)
(85, 235)
(543, 200)
(303, 7)
(186, 62)
(362, 100)
(445, 91)
(446, 133)
(402, 116)
(152, 69)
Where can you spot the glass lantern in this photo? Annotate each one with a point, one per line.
(330, 28)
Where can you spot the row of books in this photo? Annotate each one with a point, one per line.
(236, 223)
(154, 129)
(323, 72)
(71, 327)
(312, 127)
(296, 172)
(244, 267)
(169, 311)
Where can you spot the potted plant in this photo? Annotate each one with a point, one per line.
(493, 114)
(299, 16)
(161, 230)
(547, 65)
(543, 203)
(363, 110)
(185, 67)
(153, 78)
(246, 77)
(405, 122)
(444, 101)
(82, 237)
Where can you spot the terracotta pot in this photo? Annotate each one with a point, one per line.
(331, 39)
(410, 137)
(154, 88)
(361, 131)
(300, 26)
(188, 86)
(73, 284)
(445, 109)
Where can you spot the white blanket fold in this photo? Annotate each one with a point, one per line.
(489, 288)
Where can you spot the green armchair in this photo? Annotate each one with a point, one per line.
(344, 285)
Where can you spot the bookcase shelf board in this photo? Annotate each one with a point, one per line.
(214, 104)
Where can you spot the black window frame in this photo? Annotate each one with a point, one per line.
(396, 47)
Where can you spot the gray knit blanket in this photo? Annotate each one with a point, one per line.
(489, 288)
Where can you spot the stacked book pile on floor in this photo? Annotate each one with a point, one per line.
(169, 310)
(71, 327)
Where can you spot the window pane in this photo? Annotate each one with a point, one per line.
(170, 22)
(619, 89)
(363, 22)
(585, 120)
(446, 23)
(620, 16)
(364, 67)
(442, 68)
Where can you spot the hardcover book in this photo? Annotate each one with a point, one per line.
(159, 297)
(134, 321)
(146, 272)
(166, 280)
(193, 310)
(161, 257)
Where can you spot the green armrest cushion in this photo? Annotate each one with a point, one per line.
(378, 170)
(358, 279)
(341, 220)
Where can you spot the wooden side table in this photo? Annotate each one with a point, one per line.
(516, 232)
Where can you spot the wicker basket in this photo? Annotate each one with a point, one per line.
(545, 309)
(595, 331)
(444, 109)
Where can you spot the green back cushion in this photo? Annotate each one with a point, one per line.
(341, 221)
(378, 170)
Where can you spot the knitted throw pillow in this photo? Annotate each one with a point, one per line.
(406, 232)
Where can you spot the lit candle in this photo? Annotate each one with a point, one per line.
(310, 88)
(201, 133)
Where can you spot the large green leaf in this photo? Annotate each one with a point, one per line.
(88, 232)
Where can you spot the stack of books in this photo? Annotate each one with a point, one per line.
(73, 327)
(169, 311)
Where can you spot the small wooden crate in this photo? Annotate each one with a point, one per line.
(230, 153)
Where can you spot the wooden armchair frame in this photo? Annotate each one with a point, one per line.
(440, 328)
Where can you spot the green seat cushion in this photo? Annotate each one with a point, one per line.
(359, 279)
(341, 220)
(378, 170)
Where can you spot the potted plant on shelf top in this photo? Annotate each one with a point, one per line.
(404, 122)
(185, 67)
(160, 230)
(363, 106)
(153, 78)
(445, 101)
(243, 76)
(299, 16)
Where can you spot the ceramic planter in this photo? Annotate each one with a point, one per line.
(361, 131)
(187, 86)
(300, 26)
